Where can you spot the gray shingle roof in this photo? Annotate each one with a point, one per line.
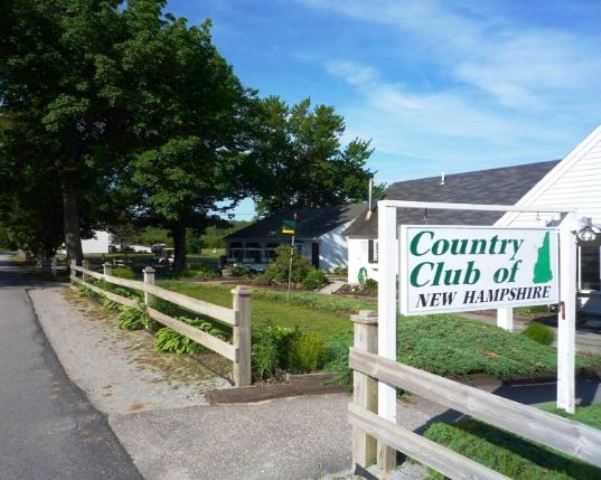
(311, 223)
(503, 186)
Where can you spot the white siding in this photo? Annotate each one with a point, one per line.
(358, 256)
(333, 249)
(575, 182)
(97, 244)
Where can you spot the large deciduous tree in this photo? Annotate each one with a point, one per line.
(188, 110)
(298, 160)
(55, 69)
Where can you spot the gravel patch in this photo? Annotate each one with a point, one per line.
(119, 370)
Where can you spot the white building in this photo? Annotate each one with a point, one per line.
(99, 243)
(319, 237)
(573, 182)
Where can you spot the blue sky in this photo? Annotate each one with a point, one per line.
(437, 85)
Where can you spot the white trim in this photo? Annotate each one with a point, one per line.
(555, 174)
(472, 206)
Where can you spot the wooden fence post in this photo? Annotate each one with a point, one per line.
(242, 336)
(85, 264)
(148, 280)
(108, 269)
(72, 272)
(54, 266)
(365, 389)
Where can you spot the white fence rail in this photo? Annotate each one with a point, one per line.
(238, 317)
(552, 431)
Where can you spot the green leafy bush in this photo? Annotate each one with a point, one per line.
(337, 347)
(123, 272)
(110, 304)
(200, 272)
(277, 271)
(314, 279)
(308, 353)
(539, 333)
(370, 285)
(170, 341)
(342, 271)
(133, 319)
(238, 271)
(271, 347)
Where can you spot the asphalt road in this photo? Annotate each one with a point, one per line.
(48, 428)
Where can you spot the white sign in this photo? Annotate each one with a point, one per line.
(454, 269)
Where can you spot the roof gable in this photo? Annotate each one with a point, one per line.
(310, 223)
(494, 186)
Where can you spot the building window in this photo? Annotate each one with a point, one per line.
(372, 251)
(590, 267)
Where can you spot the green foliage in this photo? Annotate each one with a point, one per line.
(532, 310)
(337, 346)
(507, 453)
(314, 279)
(238, 271)
(169, 341)
(370, 285)
(341, 271)
(277, 271)
(124, 272)
(449, 345)
(110, 304)
(540, 333)
(308, 354)
(133, 319)
(200, 272)
(271, 346)
(299, 159)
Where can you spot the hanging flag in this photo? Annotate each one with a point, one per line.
(289, 227)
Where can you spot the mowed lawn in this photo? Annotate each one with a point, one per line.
(269, 310)
(447, 345)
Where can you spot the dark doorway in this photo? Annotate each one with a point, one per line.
(315, 254)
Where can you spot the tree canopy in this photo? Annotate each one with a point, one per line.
(298, 160)
(114, 112)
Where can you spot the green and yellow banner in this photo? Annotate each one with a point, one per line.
(288, 227)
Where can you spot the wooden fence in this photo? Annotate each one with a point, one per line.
(237, 317)
(374, 435)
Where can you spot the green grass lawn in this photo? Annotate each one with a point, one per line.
(513, 456)
(447, 345)
(268, 310)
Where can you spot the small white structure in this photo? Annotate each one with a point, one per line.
(574, 182)
(99, 243)
(319, 237)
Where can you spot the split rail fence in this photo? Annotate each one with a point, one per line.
(238, 317)
(377, 439)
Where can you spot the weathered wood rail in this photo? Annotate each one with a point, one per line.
(238, 317)
(546, 429)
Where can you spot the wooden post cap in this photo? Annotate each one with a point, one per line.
(242, 290)
(149, 269)
(368, 317)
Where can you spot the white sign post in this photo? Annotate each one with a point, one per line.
(524, 276)
(462, 268)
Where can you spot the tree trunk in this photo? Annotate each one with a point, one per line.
(71, 222)
(179, 245)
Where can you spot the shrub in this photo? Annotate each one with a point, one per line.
(123, 272)
(271, 347)
(337, 350)
(370, 285)
(170, 341)
(277, 271)
(110, 304)
(238, 271)
(133, 319)
(201, 272)
(315, 279)
(308, 353)
(539, 333)
(342, 271)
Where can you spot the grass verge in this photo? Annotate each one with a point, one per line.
(511, 455)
